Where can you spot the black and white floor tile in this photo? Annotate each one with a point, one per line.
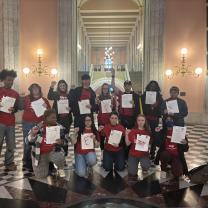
(21, 185)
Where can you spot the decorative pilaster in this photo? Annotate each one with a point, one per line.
(68, 41)
(153, 41)
(9, 35)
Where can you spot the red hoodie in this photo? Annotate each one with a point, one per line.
(29, 114)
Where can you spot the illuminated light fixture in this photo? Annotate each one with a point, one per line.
(39, 68)
(26, 71)
(79, 47)
(54, 72)
(184, 68)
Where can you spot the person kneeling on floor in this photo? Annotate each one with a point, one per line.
(47, 140)
(171, 153)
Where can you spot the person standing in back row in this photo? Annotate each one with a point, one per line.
(78, 95)
(178, 109)
(7, 116)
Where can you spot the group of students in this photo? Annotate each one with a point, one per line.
(121, 132)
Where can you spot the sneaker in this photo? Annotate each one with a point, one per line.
(61, 173)
(163, 174)
(11, 167)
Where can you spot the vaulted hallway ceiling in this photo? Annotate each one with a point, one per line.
(109, 22)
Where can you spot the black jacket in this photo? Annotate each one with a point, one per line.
(55, 96)
(152, 110)
(178, 118)
(161, 136)
(74, 97)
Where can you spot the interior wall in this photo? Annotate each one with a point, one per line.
(185, 27)
(38, 29)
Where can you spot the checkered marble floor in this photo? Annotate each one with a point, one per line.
(197, 155)
(22, 185)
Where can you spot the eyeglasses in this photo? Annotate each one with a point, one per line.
(88, 120)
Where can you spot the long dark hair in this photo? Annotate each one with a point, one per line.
(60, 82)
(146, 125)
(157, 88)
(102, 96)
(31, 88)
(82, 126)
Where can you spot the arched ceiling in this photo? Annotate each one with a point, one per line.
(109, 22)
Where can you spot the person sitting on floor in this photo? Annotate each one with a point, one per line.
(170, 153)
(85, 139)
(44, 151)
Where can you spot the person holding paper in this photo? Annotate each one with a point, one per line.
(170, 153)
(7, 116)
(30, 119)
(151, 103)
(128, 115)
(60, 98)
(43, 153)
(85, 139)
(139, 148)
(103, 109)
(182, 112)
(79, 94)
(114, 134)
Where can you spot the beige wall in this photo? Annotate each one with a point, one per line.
(38, 29)
(185, 26)
(97, 56)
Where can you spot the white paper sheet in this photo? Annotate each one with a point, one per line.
(127, 100)
(38, 107)
(142, 143)
(150, 97)
(52, 134)
(172, 106)
(7, 103)
(87, 141)
(82, 107)
(179, 134)
(115, 137)
(63, 106)
(106, 106)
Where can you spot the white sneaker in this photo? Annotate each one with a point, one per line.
(163, 174)
(61, 173)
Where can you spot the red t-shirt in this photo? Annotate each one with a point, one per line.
(171, 147)
(107, 131)
(85, 95)
(103, 118)
(45, 148)
(8, 119)
(132, 137)
(124, 111)
(29, 114)
(78, 146)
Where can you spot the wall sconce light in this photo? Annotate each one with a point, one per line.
(184, 68)
(40, 69)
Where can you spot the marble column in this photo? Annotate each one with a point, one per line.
(153, 41)
(68, 41)
(9, 35)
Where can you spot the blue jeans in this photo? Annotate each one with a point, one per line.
(118, 158)
(8, 133)
(83, 161)
(26, 127)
